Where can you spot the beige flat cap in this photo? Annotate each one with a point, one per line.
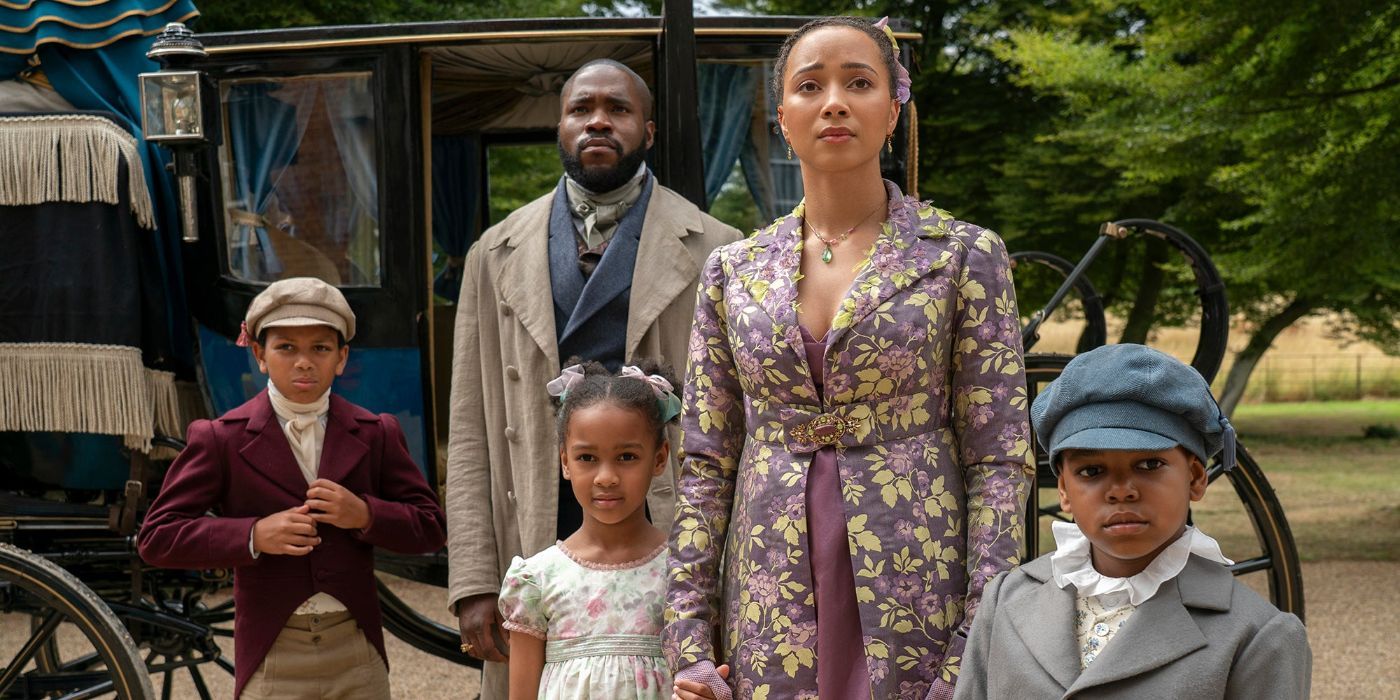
(298, 301)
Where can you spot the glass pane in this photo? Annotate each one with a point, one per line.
(301, 188)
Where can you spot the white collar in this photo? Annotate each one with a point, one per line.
(1073, 565)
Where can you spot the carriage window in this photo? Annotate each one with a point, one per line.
(301, 190)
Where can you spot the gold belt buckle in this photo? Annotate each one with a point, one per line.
(825, 429)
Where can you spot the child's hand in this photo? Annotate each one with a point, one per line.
(332, 504)
(695, 690)
(292, 531)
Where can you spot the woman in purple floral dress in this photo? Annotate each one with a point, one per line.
(855, 433)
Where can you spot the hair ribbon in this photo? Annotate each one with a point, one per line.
(902, 82)
(567, 379)
(665, 396)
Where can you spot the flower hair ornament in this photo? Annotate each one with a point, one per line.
(567, 379)
(901, 74)
(669, 403)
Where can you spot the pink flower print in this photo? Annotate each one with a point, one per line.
(896, 362)
(776, 558)
(979, 415)
(879, 669)
(899, 459)
(913, 690)
(717, 399)
(760, 342)
(837, 383)
(904, 529)
(763, 587)
(748, 366)
(907, 587)
(801, 635)
(597, 607)
(1000, 391)
(795, 509)
(886, 260)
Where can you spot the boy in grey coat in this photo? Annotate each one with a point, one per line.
(1134, 603)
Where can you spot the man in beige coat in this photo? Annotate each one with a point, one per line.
(604, 268)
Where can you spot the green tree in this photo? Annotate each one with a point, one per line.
(1271, 120)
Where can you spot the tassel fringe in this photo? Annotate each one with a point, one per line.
(104, 389)
(70, 158)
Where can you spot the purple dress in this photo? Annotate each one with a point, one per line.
(841, 671)
(922, 410)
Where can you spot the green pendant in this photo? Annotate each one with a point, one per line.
(826, 255)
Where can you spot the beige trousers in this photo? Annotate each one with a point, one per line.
(323, 657)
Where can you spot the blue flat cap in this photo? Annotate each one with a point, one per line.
(1131, 397)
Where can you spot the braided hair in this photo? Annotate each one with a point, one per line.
(600, 385)
(860, 24)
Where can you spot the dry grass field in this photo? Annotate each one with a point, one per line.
(1304, 364)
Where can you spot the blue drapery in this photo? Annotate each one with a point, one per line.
(456, 205)
(727, 93)
(27, 25)
(263, 136)
(267, 120)
(106, 79)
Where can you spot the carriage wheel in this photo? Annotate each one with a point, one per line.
(1248, 520)
(1029, 266)
(418, 630)
(65, 616)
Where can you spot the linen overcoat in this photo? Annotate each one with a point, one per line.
(241, 466)
(503, 451)
(923, 375)
(1203, 635)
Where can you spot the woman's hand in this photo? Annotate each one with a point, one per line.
(695, 689)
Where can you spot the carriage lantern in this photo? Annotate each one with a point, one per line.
(173, 111)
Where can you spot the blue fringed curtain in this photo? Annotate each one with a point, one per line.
(103, 77)
(456, 205)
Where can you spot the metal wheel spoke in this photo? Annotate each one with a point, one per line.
(100, 689)
(168, 685)
(199, 686)
(1250, 566)
(40, 637)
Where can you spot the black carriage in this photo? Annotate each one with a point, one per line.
(371, 157)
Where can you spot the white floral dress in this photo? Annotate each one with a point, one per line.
(601, 623)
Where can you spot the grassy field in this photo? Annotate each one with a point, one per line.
(1340, 490)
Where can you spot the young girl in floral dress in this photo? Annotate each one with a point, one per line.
(585, 615)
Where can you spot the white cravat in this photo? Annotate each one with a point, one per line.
(1073, 564)
(304, 425)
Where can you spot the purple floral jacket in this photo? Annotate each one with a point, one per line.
(925, 401)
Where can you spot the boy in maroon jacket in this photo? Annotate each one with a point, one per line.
(304, 485)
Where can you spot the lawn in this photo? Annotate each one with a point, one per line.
(1339, 490)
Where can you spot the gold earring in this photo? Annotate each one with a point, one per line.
(889, 142)
(789, 152)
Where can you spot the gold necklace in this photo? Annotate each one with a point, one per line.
(826, 254)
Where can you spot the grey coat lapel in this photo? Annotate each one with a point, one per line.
(670, 270)
(1162, 630)
(1045, 623)
(614, 273)
(524, 276)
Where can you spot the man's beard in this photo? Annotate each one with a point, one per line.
(602, 179)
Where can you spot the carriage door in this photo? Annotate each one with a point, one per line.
(310, 179)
